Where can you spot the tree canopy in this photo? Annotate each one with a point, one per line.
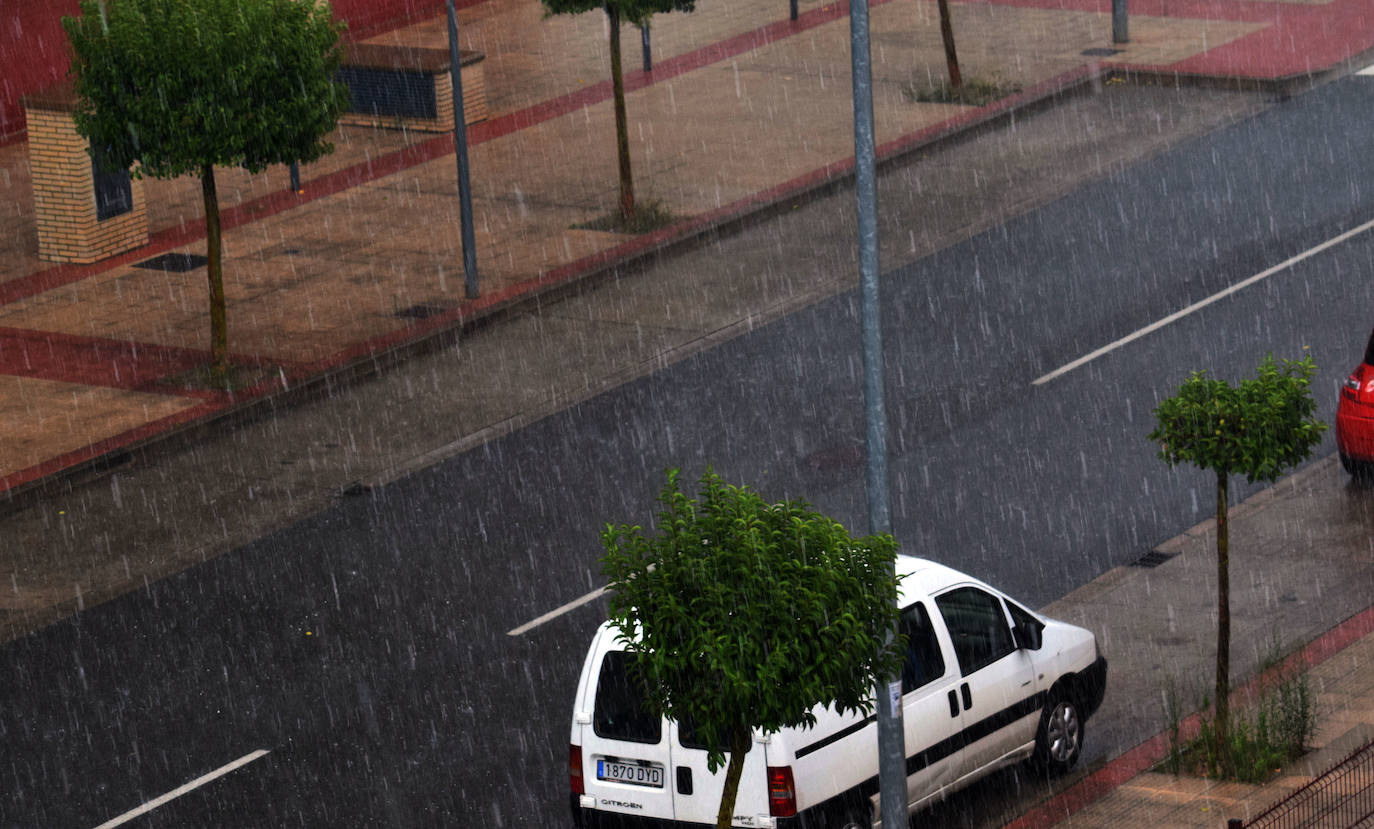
(1258, 428)
(637, 12)
(743, 614)
(173, 85)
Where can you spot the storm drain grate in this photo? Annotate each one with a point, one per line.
(1101, 52)
(1154, 558)
(423, 311)
(174, 262)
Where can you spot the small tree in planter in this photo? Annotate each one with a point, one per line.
(183, 86)
(741, 614)
(1259, 429)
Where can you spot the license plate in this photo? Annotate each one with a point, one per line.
(632, 773)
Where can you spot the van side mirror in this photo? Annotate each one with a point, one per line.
(1028, 637)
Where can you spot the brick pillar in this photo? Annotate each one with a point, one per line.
(75, 223)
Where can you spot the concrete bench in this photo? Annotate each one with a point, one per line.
(409, 87)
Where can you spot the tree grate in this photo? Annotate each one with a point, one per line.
(1154, 558)
(174, 262)
(423, 311)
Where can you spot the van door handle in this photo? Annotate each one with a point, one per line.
(684, 779)
(968, 696)
(953, 704)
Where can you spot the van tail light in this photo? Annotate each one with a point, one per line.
(575, 769)
(782, 792)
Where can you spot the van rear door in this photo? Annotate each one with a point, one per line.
(696, 791)
(626, 756)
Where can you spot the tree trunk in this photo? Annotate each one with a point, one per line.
(739, 746)
(622, 128)
(947, 35)
(219, 336)
(1223, 700)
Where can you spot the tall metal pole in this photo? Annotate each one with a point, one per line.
(1119, 34)
(891, 742)
(460, 139)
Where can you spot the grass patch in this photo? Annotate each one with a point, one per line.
(1264, 736)
(201, 378)
(972, 92)
(649, 216)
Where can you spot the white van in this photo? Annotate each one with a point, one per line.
(986, 683)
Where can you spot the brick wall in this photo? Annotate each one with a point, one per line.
(34, 51)
(64, 195)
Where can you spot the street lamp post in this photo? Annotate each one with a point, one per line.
(891, 742)
(460, 140)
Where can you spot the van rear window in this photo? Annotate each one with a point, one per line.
(619, 712)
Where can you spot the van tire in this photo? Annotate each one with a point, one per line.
(1059, 737)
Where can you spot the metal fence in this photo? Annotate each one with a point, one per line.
(1341, 798)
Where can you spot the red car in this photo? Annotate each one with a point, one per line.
(1355, 417)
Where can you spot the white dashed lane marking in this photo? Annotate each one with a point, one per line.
(181, 790)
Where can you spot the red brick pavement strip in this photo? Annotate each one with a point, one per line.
(1141, 758)
(95, 361)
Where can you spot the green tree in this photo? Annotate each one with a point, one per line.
(1259, 429)
(183, 86)
(636, 12)
(742, 614)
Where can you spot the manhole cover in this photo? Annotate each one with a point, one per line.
(174, 262)
(1154, 558)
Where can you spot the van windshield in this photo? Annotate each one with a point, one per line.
(619, 712)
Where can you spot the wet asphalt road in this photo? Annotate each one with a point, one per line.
(366, 648)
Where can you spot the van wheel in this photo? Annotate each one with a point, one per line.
(1060, 736)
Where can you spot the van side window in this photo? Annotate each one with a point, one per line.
(978, 626)
(1021, 618)
(619, 712)
(924, 662)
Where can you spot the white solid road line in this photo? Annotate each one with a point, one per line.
(178, 792)
(1178, 315)
(556, 612)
